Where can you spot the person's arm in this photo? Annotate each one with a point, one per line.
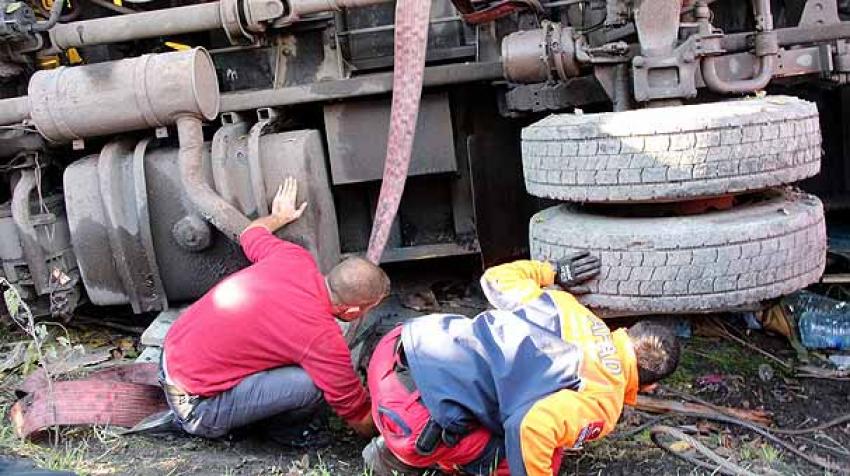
(511, 285)
(564, 419)
(257, 239)
(328, 362)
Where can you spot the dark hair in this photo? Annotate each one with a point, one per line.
(358, 282)
(656, 349)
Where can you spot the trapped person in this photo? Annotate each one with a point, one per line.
(263, 345)
(504, 392)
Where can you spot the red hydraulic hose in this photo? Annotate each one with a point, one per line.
(411, 40)
(411, 35)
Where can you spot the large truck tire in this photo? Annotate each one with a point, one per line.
(672, 153)
(710, 262)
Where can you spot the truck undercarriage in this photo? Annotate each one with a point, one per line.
(139, 138)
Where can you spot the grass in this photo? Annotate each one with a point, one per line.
(747, 453)
(77, 450)
(723, 357)
(304, 467)
(770, 454)
(68, 456)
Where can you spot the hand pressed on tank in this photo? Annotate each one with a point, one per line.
(283, 205)
(284, 209)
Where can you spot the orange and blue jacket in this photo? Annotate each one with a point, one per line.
(540, 370)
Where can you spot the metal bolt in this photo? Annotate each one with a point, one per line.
(192, 233)
(639, 62)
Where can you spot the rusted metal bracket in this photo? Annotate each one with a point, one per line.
(820, 12)
(657, 25)
(29, 239)
(662, 70)
(229, 162)
(153, 284)
(265, 116)
(129, 233)
(671, 76)
(231, 22)
(258, 12)
(766, 51)
(617, 12)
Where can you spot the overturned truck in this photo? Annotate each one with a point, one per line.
(139, 138)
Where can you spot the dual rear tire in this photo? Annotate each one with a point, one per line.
(767, 245)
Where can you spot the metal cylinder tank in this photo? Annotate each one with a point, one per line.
(139, 240)
(150, 91)
(535, 56)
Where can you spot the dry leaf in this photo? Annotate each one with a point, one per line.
(680, 446)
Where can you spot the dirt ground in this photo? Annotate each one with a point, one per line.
(714, 369)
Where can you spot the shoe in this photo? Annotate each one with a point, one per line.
(380, 461)
(159, 423)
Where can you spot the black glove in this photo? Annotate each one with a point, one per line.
(576, 269)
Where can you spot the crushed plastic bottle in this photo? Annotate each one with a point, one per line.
(824, 323)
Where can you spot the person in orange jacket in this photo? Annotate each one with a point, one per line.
(504, 392)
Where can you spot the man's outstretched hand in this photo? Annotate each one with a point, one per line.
(283, 205)
(284, 209)
(575, 269)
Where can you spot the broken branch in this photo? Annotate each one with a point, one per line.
(660, 405)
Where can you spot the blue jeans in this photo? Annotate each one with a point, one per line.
(277, 397)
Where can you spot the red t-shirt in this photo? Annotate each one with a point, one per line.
(273, 313)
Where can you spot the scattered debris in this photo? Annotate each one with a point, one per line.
(842, 361)
(421, 300)
(15, 357)
(659, 405)
(824, 323)
(73, 358)
(154, 335)
(762, 430)
(725, 332)
(150, 355)
(92, 321)
(766, 372)
(811, 371)
(710, 380)
(684, 442)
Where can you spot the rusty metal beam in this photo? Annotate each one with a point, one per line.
(792, 62)
(420, 252)
(14, 110)
(116, 29)
(373, 84)
(790, 36)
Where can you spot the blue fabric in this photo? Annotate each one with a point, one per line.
(491, 368)
(513, 441)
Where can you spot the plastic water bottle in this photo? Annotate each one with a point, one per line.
(824, 323)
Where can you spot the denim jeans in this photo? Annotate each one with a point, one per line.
(279, 396)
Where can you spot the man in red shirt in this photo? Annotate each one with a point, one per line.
(263, 344)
